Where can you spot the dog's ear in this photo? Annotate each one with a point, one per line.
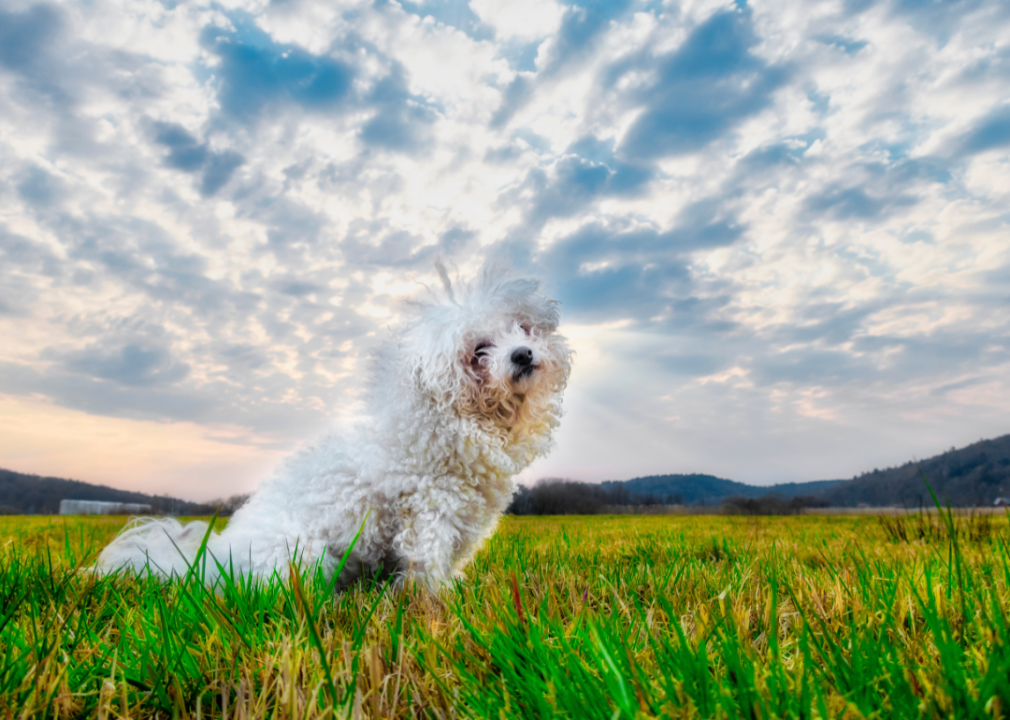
(434, 360)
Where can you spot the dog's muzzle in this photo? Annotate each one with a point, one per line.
(522, 358)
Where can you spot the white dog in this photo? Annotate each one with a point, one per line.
(464, 396)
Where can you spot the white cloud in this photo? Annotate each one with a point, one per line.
(520, 19)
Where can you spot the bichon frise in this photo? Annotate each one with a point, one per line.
(465, 395)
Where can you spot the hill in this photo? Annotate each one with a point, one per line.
(970, 476)
(697, 489)
(973, 475)
(559, 496)
(22, 494)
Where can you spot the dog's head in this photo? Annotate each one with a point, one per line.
(490, 351)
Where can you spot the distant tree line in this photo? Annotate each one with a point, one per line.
(568, 497)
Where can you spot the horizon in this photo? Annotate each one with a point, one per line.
(777, 231)
(529, 484)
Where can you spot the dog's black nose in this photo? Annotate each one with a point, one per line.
(522, 356)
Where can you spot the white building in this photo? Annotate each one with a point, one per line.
(99, 507)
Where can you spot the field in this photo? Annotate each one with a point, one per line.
(577, 617)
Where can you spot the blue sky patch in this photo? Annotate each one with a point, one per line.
(256, 73)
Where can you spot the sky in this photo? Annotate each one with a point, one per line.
(778, 230)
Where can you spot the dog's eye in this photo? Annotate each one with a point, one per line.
(482, 349)
(525, 327)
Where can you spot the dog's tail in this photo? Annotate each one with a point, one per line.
(161, 547)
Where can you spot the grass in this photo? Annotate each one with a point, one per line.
(578, 617)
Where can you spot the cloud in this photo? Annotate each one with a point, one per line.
(879, 189)
(260, 77)
(941, 19)
(23, 266)
(458, 14)
(80, 391)
(831, 323)
(132, 365)
(852, 203)
(188, 155)
(144, 258)
(587, 172)
(877, 359)
(25, 40)
(622, 177)
(703, 89)
(515, 96)
(184, 152)
(525, 20)
(375, 245)
(39, 188)
(401, 121)
(846, 45)
(582, 24)
(220, 167)
(633, 273)
(56, 68)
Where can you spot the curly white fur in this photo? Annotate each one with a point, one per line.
(464, 396)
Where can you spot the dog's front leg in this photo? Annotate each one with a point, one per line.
(428, 547)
